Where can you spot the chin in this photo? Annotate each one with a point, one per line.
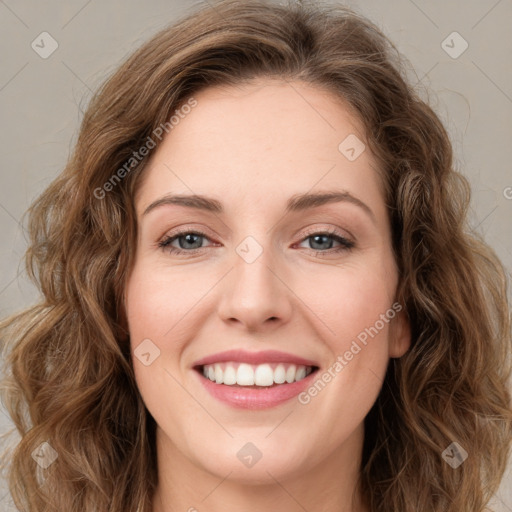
(258, 462)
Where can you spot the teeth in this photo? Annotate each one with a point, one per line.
(301, 373)
(244, 374)
(290, 373)
(280, 374)
(229, 376)
(219, 379)
(264, 375)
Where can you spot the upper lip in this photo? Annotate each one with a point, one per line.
(243, 356)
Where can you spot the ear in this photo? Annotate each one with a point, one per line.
(399, 335)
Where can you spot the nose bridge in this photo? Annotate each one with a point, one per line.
(253, 293)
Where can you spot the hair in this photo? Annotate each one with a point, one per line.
(68, 369)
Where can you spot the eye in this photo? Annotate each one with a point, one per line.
(185, 240)
(320, 239)
(190, 242)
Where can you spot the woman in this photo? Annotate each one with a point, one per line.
(259, 368)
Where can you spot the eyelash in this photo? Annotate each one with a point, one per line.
(164, 244)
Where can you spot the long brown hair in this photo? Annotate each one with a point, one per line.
(69, 378)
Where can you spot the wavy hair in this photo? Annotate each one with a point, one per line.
(69, 379)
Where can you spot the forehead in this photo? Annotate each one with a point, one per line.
(261, 140)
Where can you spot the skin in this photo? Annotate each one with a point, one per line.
(252, 147)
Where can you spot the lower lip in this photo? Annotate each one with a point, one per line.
(252, 398)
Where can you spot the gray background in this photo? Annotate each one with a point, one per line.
(42, 100)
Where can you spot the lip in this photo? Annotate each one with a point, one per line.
(256, 398)
(265, 356)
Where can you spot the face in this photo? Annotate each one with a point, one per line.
(283, 282)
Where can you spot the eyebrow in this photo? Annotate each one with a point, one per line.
(296, 203)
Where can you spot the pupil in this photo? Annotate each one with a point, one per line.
(320, 237)
(189, 238)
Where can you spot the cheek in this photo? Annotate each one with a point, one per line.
(155, 303)
(350, 298)
(165, 307)
(358, 311)
(157, 300)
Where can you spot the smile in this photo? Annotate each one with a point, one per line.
(263, 375)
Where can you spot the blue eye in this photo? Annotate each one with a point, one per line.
(189, 237)
(326, 238)
(190, 242)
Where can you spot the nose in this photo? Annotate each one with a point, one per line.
(255, 295)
